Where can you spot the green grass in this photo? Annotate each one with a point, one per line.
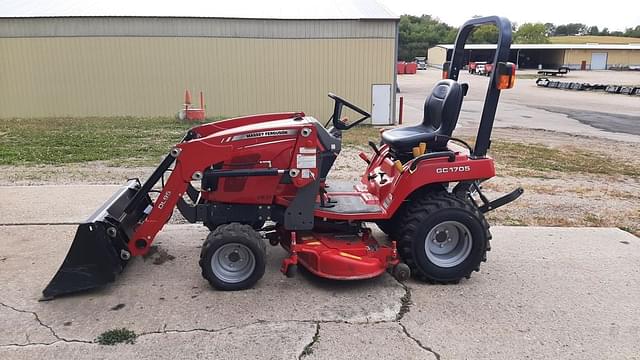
(141, 141)
(593, 39)
(527, 159)
(117, 336)
(361, 135)
(542, 159)
(117, 140)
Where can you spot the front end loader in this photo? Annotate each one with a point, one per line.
(265, 177)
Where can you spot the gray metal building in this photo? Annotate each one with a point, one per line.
(77, 58)
(531, 56)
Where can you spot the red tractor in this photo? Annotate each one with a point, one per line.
(261, 177)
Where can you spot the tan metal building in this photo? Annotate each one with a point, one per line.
(71, 59)
(574, 56)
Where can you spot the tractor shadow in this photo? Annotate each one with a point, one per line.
(343, 286)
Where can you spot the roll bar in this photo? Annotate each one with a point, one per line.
(483, 139)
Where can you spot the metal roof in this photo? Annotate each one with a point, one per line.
(239, 9)
(634, 46)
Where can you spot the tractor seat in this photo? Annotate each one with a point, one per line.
(441, 111)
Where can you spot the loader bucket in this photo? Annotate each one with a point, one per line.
(99, 250)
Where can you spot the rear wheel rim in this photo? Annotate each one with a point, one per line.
(233, 263)
(448, 244)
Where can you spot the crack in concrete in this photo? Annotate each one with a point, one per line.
(46, 326)
(418, 342)
(308, 349)
(405, 302)
(163, 331)
(405, 307)
(211, 331)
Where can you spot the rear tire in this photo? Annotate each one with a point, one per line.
(233, 257)
(388, 227)
(445, 238)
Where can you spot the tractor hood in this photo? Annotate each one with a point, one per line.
(285, 127)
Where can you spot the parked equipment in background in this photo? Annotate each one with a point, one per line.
(563, 70)
(472, 67)
(486, 70)
(190, 113)
(480, 68)
(266, 177)
(406, 67)
(611, 89)
(421, 61)
(411, 68)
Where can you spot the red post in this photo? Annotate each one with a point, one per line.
(201, 100)
(401, 110)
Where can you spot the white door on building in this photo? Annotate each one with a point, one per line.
(599, 61)
(381, 104)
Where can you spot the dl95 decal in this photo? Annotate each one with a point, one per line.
(453, 169)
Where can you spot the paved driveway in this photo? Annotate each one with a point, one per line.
(544, 293)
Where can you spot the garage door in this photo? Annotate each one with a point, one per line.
(598, 61)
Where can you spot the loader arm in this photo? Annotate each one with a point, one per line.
(191, 158)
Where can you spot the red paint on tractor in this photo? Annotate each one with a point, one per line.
(264, 168)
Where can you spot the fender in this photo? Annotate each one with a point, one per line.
(435, 171)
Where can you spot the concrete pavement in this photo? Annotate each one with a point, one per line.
(527, 106)
(51, 204)
(544, 293)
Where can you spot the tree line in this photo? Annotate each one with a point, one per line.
(582, 29)
(416, 34)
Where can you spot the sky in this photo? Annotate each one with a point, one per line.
(618, 16)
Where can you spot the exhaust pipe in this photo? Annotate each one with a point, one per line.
(99, 250)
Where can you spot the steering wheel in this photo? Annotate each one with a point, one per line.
(337, 111)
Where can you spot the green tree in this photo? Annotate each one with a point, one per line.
(561, 30)
(549, 29)
(593, 30)
(484, 34)
(604, 32)
(529, 33)
(576, 29)
(633, 32)
(416, 34)
(571, 29)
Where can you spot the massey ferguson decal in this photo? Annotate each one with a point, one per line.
(453, 169)
(260, 134)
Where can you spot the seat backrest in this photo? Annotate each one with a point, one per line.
(442, 107)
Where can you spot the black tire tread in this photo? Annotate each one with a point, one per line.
(393, 226)
(418, 212)
(226, 231)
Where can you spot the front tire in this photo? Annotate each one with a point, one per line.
(233, 257)
(445, 239)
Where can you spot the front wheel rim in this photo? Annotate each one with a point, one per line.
(233, 263)
(448, 244)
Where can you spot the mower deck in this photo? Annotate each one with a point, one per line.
(341, 256)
